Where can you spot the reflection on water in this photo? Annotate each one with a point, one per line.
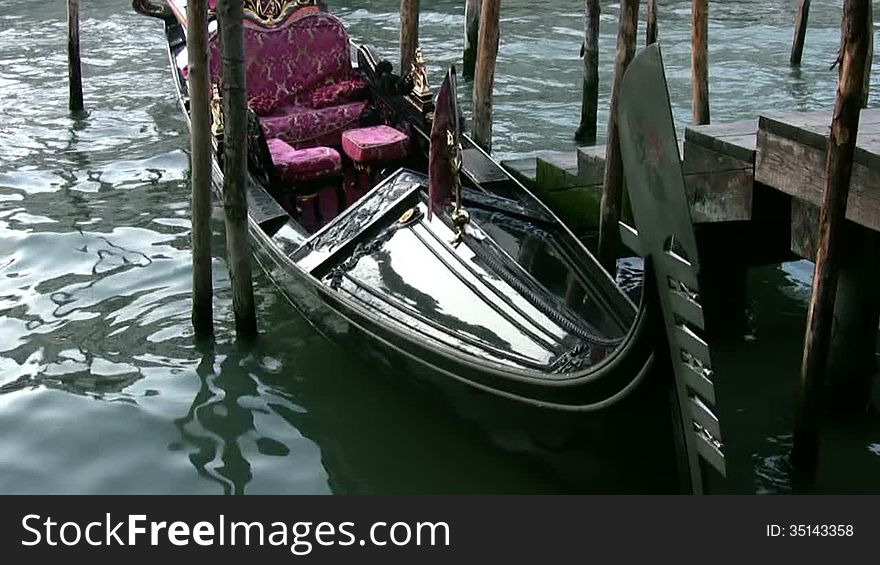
(102, 389)
(224, 433)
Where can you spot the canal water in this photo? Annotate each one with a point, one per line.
(102, 387)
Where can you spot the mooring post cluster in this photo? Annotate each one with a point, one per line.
(234, 162)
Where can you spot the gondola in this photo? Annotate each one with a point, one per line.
(370, 209)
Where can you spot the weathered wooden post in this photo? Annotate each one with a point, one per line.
(471, 36)
(586, 132)
(409, 33)
(866, 88)
(700, 62)
(838, 169)
(234, 87)
(199, 86)
(612, 189)
(74, 66)
(800, 33)
(484, 78)
(651, 23)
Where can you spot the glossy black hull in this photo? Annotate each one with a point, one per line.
(595, 389)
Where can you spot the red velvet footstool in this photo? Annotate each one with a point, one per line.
(372, 147)
(375, 145)
(303, 165)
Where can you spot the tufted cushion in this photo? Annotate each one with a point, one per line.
(286, 63)
(339, 93)
(300, 165)
(375, 144)
(302, 126)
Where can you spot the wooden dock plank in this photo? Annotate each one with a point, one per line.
(735, 139)
(722, 163)
(719, 170)
(791, 159)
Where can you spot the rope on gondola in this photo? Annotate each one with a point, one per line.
(537, 295)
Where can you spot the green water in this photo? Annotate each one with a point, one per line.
(102, 387)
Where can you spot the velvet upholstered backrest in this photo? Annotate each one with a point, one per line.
(287, 62)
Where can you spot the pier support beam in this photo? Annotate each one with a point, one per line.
(800, 33)
(234, 87)
(199, 86)
(409, 33)
(586, 132)
(484, 79)
(700, 62)
(612, 186)
(74, 65)
(841, 148)
(651, 23)
(472, 10)
(852, 354)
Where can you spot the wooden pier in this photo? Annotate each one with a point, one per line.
(732, 171)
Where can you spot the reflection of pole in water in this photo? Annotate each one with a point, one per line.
(216, 421)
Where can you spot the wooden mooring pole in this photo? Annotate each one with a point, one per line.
(700, 62)
(234, 88)
(841, 148)
(612, 189)
(586, 132)
(74, 65)
(866, 87)
(800, 33)
(484, 77)
(651, 23)
(409, 33)
(471, 36)
(199, 86)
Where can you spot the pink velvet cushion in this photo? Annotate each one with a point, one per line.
(287, 62)
(298, 165)
(302, 126)
(375, 144)
(339, 93)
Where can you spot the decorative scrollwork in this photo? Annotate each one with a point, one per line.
(460, 217)
(420, 93)
(216, 113)
(272, 12)
(419, 75)
(152, 9)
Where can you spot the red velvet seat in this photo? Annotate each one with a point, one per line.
(377, 144)
(303, 165)
(302, 126)
(300, 80)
